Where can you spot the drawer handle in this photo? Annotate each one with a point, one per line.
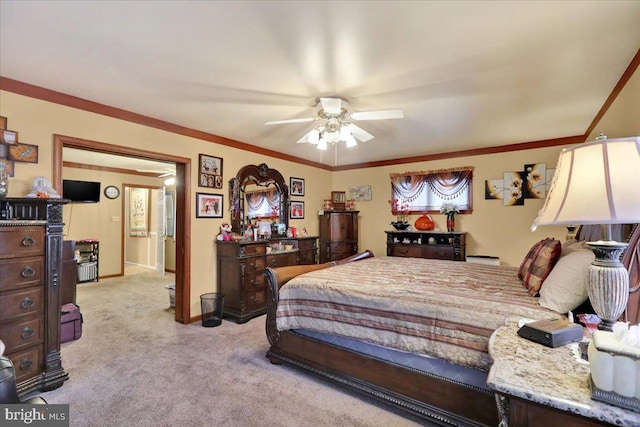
(255, 282)
(28, 272)
(27, 333)
(26, 364)
(27, 303)
(28, 241)
(274, 262)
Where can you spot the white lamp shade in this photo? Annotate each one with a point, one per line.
(595, 183)
(322, 143)
(314, 136)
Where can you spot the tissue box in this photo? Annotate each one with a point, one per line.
(615, 371)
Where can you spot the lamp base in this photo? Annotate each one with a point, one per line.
(608, 282)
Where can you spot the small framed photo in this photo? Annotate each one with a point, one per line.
(23, 153)
(3, 122)
(210, 170)
(209, 205)
(6, 166)
(296, 186)
(296, 210)
(8, 137)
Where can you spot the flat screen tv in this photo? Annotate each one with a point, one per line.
(81, 191)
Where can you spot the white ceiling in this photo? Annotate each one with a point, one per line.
(467, 74)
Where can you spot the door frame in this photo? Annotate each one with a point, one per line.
(183, 206)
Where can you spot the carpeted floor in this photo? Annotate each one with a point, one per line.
(134, 365)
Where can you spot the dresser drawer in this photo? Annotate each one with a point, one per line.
(26, 363)
(253, 281)
(258, 249)
(17, 336)
(281, 260)
(21, 272)
(22, 241)
(256, 298)
(306, 244)
(307, 257)
(15, 305)
(438, 252)
(254, 265)
(406, 251)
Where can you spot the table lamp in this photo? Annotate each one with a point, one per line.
(598, 182)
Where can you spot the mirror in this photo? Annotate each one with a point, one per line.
(267, 192)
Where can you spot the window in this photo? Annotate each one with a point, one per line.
(263, 203)
(428, 191)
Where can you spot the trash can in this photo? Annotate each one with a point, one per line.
(212, 305)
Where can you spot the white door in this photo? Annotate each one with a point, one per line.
(160, 231)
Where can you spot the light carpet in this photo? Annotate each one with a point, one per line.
(134, 365)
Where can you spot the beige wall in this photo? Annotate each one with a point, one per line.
(103, 220)
(37, 121)
(493, 229)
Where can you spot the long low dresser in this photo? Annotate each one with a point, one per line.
(241, 265)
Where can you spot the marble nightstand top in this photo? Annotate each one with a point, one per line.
(548, 376)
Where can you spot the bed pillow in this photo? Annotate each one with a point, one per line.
(543, 262)
(565, 288)
(528, 259)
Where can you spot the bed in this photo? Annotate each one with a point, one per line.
(372, 334)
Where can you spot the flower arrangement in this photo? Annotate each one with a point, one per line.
(449, 208)
(400, 210)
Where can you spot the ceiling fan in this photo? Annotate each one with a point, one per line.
(335, 123)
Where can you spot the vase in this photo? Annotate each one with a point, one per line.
(400, 225)
(451, 222)
(424, 223)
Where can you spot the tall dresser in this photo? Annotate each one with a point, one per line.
(338, 234)
(30, 268)
(240, 270)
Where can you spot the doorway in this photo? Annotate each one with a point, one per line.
(182, 204)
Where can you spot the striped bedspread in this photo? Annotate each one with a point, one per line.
(442, 309)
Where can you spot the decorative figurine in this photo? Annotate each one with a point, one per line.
(225, 232)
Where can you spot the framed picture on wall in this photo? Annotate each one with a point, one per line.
(23, 153)
(297, 210)
(296, 186)
(210, 171)
(209, 205)
(6, 166)
(139, 212)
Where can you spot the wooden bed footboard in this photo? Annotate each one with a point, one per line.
(421, 394)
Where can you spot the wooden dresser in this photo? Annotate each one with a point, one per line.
(30, 268)
(338, 234)
(240, 271)
(427, 244)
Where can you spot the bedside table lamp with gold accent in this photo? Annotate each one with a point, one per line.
(597, 183)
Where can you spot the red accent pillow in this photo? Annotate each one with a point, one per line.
(528, 259)
(545, 259)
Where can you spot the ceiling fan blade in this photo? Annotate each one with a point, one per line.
(378, 115)
(169, 173)
(282, 122)
(359, 133)
(304, 139)
(331, 105)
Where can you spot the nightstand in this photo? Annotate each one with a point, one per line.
(542, 386)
